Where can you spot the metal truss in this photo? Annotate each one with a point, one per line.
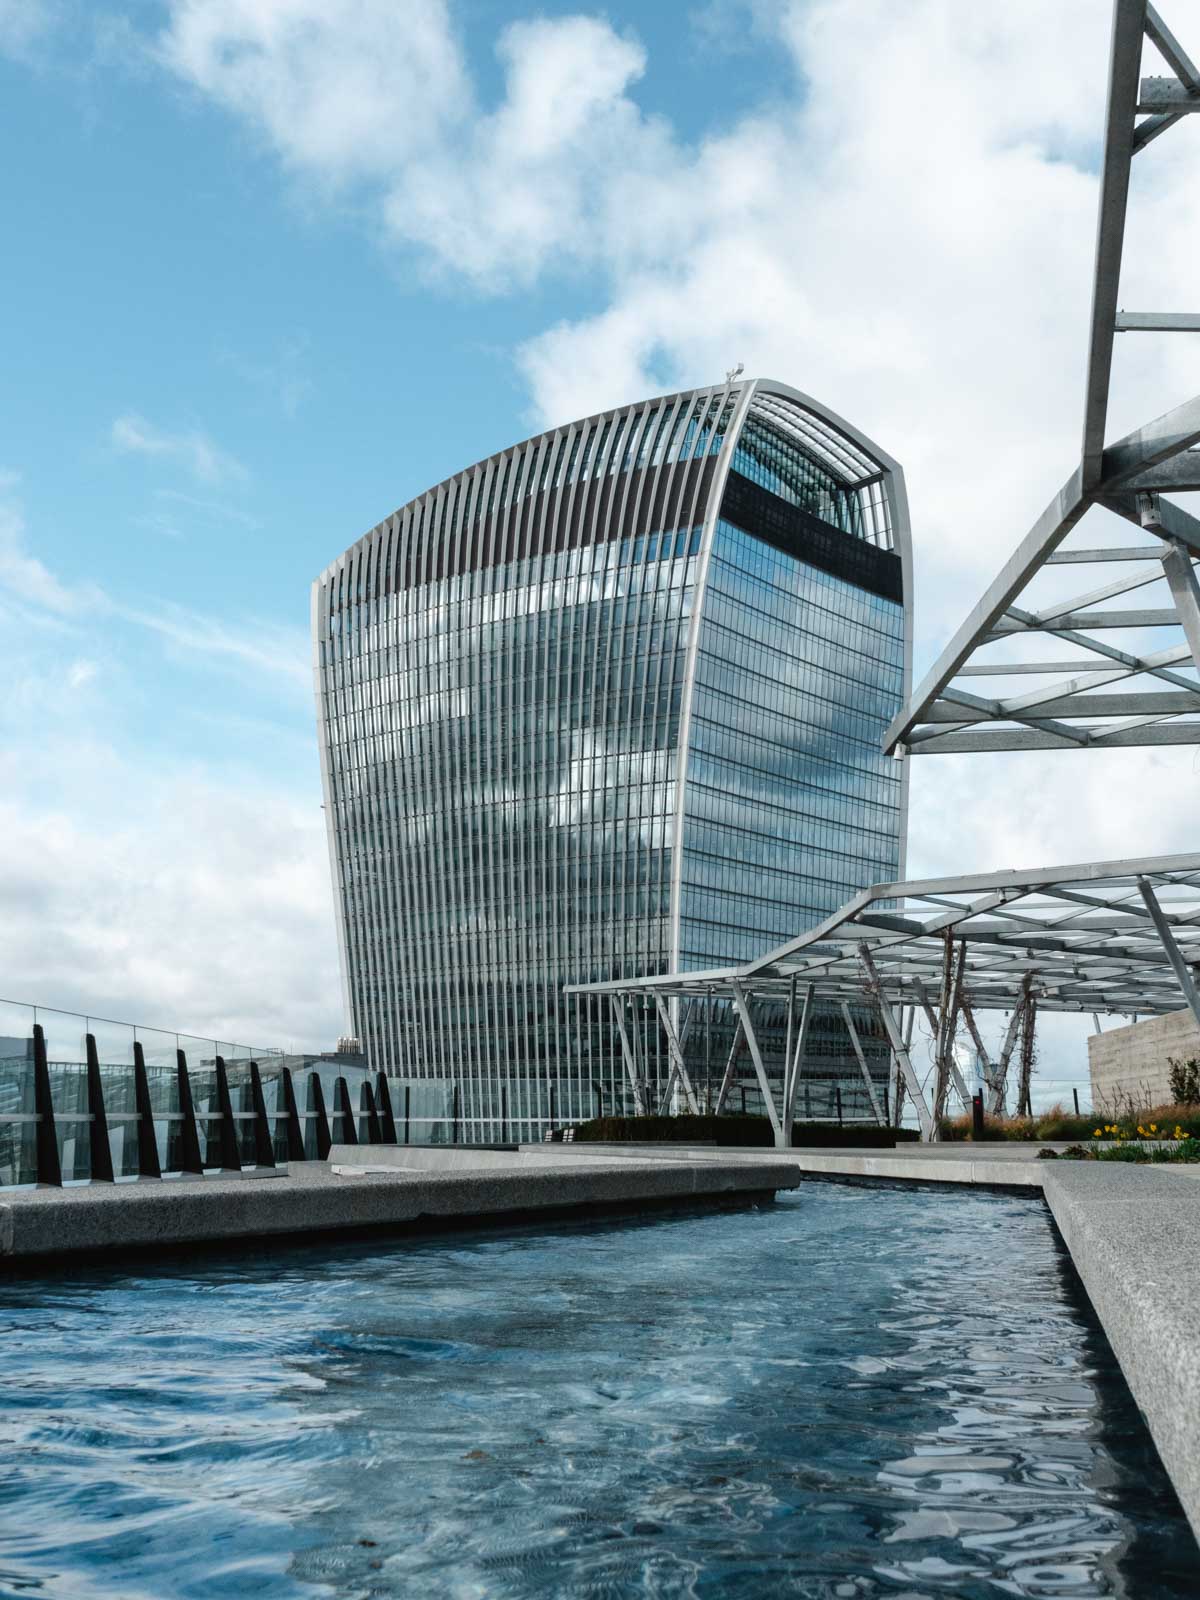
(1105, 937)
(1075, 648)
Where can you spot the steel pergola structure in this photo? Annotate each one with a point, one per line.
(1104, 937)
(1063, 669)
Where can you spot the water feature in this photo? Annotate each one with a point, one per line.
(852, 1393)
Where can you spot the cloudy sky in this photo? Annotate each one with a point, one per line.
(271, 267)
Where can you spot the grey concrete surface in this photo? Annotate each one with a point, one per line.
(1133, 1233)
(313, 1198)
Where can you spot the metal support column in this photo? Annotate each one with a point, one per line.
(929, 1131)
(627, 1055)
(675, 1051)
(792, 1067)
(100, 1149)
(880, 1113)
(760, 1071)
(1179, 966)
(727, 1076)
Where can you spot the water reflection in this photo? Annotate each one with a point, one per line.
(850, 1394)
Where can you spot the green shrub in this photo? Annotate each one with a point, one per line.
(1184, 1078)
(734, 1130)
(1062, 1126)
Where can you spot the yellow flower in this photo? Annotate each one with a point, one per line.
(1154, 1127)
(1096, 1134)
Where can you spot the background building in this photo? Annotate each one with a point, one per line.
(609, 702)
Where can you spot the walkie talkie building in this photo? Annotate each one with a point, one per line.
(610, 702)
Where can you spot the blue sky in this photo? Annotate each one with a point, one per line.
(270, 267)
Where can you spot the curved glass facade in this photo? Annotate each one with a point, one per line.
(608, 703)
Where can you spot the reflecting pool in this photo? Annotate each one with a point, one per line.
(852, 1393)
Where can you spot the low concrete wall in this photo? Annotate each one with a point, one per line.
(1134, 1236)
(313, 1199)
(1131, 1063)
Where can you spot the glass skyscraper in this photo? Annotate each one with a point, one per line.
(608, 703)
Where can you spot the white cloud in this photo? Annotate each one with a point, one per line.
(184, 889)
(201, 904)
(262, 647)
(23, 23)
(80, 673)
(22, 575)
(348, 99)
(194, 450)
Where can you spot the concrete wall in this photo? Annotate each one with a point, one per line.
(1132, 1062)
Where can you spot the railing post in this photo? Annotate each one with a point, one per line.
(264, 1142)
(837, 1095)
(341, 1101)
(324, 1138)
(407, 1108)
(374, 1131)
(231, 1157)
(295, 1128)
(504, 1113)
(387, 1121)
(49, 1167)
(101, 1150)
(454, 1115)
(148, 1163)
(192, 1157)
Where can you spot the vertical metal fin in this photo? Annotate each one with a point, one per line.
(98, 1141)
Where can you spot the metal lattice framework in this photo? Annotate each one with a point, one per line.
(1105, 672)
(1105, 937)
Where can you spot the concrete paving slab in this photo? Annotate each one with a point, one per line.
(1133, 1233)
(312, 1198)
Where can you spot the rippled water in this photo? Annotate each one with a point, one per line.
(852, 1393)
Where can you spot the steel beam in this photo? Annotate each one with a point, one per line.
(1179, 966)
(1172, 52)
(675, 1050)
(1125, 57)
(1181, 576)
(1047, 533)
(1159, 321)
(727, 1075)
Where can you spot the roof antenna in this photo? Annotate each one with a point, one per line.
(735, 372)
